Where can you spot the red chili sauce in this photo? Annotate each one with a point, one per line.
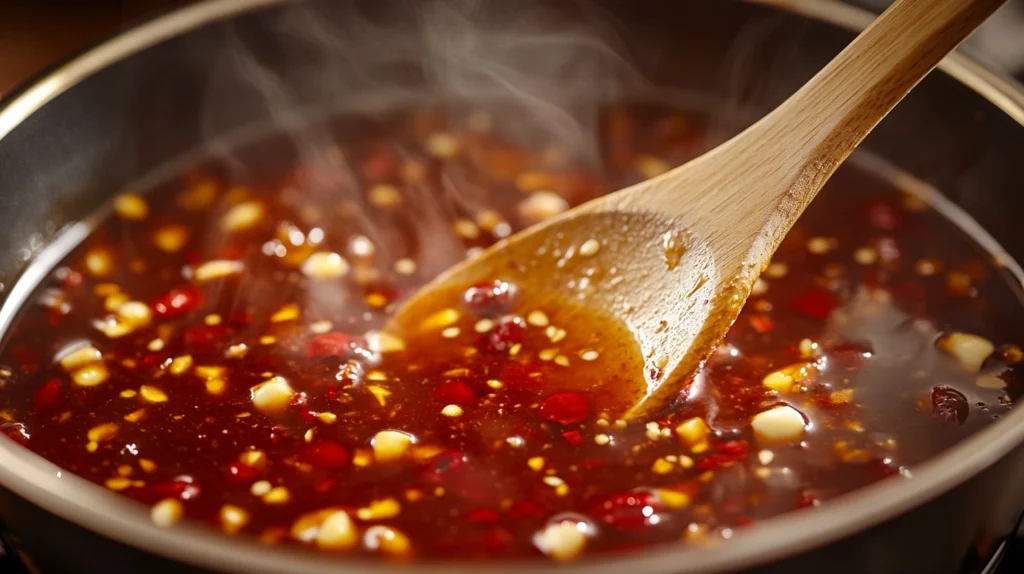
(214, 349)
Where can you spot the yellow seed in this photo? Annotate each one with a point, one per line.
(289, 312)
(170, 238)
(673, 499)
(536, 463)
(382, 342)
(547, 354)
(99, 262)
(337, 532)
(466, 229)
(404, 266)
(236, 351)
(218, 269)
(114, 300)
(778, 381)
(450, 332)
(80, 357)
(256, 459)
(117, 484)
(166, 512)
(102, 432)
(325, 265)
(384, 195)
(135, 313)
(443, 145)
(589, 355)
(135, 416)
(152, 394)
(662, 466)
(387, 540)
(147, 465)
(488, 219)
(180, 365)
(215, 386)
(155, 345)
(495, 384)
(277, 495)
(441, 319)
(210, 372)
(131, 206)
(90, 375)
(260, 488)
(380, 393)
(537, 319)
(362, 458)
(233, 518)
(452, 411)
(380, 510)
(243, 216)
(328, 418)
(562, 360)
(391, 445)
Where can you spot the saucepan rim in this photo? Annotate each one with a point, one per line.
(88, 505)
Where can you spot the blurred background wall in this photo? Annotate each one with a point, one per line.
(36, 33)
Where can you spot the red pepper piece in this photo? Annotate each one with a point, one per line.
(48, 396)
(816, 303)
(573, 437)
(324, 454)
(177, 302)
(455, 392)
(565, 408)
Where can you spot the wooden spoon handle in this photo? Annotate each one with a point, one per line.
(769, 173)
(827, 118)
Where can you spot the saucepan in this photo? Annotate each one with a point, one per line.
(193, 79)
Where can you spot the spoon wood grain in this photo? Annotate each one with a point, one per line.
(679, 253)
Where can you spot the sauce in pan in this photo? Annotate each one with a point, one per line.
(215, 349)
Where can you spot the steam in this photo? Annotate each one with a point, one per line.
(550, 70)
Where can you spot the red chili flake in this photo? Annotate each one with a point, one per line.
(325, 485)
(497, 539)
(482, 516)
(525, 510)
(333, 345)
(592, 463)
(516, 375)
(807, 499)
(177, 302)
(490, 297)
(154, 359)
(502, 336)
(726, 454)
(54, 317)
(883, 216)
(743, 521)
(628, 510)
(323, 454)
(16, 432)
(949, 405)
(443, 465)
(203, 335)
(565, 408)
(761, 323)
(879, 468)
(332, 392)
(48, 395)
(574, 437)
(816, 303)
(68, 277)
(300, 402)
(26, 357)
(380, 166)
(241, 318)
(239, 472)
(277, 434)
(455, 392)
(180, 489)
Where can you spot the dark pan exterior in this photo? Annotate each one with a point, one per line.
(105, 119)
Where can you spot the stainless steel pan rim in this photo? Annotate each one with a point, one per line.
(113, 516)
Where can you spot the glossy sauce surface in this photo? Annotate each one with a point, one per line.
(215, 349)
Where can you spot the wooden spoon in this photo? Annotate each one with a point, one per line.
(678, 254)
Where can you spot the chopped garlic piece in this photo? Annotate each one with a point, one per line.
(272, 395)
(782, 423)
(166, 512)
(970, 350)
(242, 216)
(391, 445)
(131, 206)
(387, 540)
(562, 541)
(325, 265)
(218, 269)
